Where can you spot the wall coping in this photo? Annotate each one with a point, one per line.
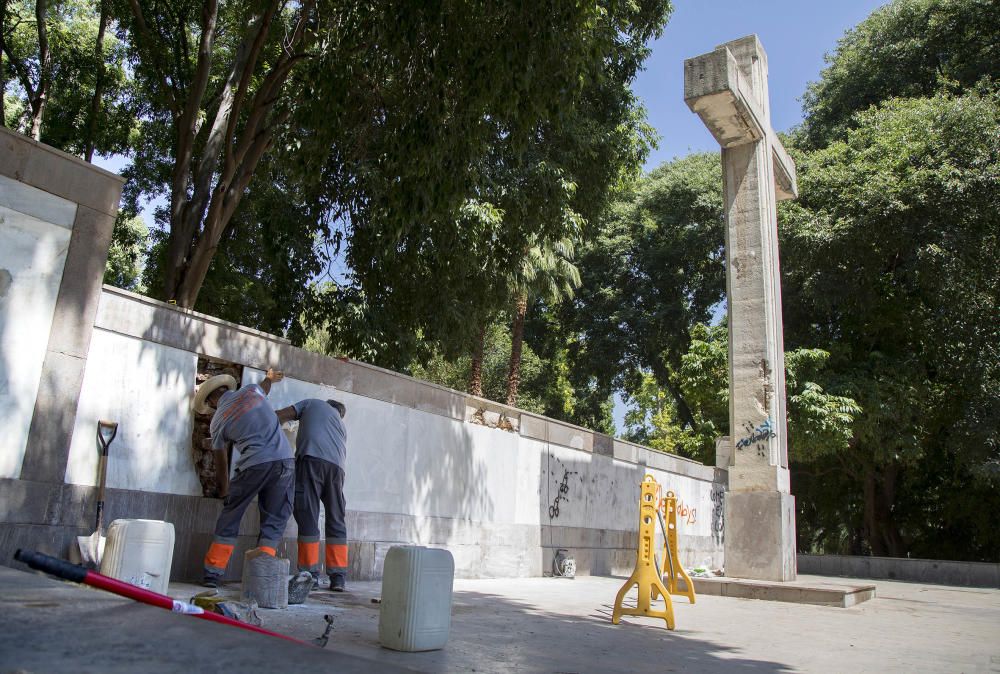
(45, 168)
(144, 299)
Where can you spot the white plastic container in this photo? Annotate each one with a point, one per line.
(140, 552)
(415, 613)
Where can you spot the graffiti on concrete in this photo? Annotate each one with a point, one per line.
(757, 437)
(718, 513)
(685, 514)
(562, 489)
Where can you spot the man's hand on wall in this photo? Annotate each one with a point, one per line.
(271, 376)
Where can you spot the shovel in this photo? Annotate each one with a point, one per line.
(92, 546)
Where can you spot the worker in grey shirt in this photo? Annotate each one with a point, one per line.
(320, 458)
(265, 467)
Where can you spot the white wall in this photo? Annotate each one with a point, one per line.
(35, 229)
(147, 388)
(402, 460)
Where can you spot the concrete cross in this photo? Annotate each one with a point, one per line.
(727, 88)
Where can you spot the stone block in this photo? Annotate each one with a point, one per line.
(570, 436)
(716, 90)
(57, 541)
(23, 502)
(384, 385)
(37, 204)
(80, 290)
(760, 535)
(797, 593)
(626, 451)
(723, 452)
(58, 173)
(604, 444)
(534, 427)
(441, 401)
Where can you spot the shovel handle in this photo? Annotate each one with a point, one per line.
(110, 426)
(102, 469)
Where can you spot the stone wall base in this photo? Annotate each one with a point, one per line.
(48, 518)
(760, 535)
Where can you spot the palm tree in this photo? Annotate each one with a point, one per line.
(546, 271)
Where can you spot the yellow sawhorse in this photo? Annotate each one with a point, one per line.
(645, 576)
(672, 568)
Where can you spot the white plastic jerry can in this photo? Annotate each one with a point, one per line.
(415, 613)
(140, 552)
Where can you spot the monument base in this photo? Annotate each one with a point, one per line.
(760, 535)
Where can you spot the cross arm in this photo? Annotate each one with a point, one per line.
(716, 90)
(785, 184)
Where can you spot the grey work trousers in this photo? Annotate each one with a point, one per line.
(273, 483)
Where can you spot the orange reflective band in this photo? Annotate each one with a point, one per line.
(270, 551)
(218, 555)
(309, 554)
(336, 555)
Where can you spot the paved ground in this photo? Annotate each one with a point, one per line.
(559, 625)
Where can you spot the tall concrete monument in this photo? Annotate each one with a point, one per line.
(727, 88)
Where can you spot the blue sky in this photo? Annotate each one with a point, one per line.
(796, 37)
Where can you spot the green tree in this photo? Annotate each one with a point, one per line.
(548, 273)
(819, 423)
(61, 73)
(429, 257)
(653, 269)
(497, 345)
(889, 263)
(907, 49)
(127, 254)
(390, 105)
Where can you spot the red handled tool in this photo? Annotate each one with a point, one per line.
(78, 574)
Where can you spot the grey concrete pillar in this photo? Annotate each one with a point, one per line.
(727, 88)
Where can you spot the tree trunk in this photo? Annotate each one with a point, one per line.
(880, 528)
(95, 103)
(44, 70)
(476, 376)
(206, 191)
(517, 340)
(662, 376)
(890, 530)
(871, 527)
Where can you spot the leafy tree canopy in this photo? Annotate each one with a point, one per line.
(908, 49)
(889, 263)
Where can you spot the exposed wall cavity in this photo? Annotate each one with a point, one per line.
(211, 472)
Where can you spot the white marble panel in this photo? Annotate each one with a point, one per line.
(32, 258)
(147, 389)
(36, 203)
(530, 491)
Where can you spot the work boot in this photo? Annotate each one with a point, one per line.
(300, 586)
(337, 582)
(211, 581)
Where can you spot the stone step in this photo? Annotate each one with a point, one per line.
(819, 591)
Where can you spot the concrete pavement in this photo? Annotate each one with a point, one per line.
(511, 625)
